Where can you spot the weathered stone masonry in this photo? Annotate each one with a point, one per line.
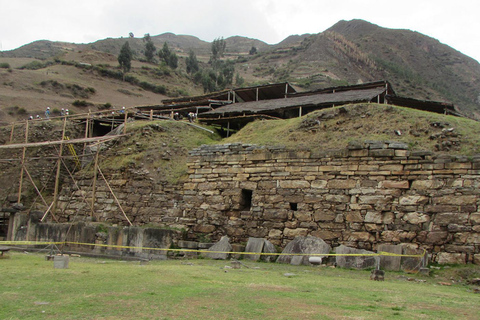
(362, 196)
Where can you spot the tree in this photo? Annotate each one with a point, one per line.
(253, 51)
(192, 63)
(125, 59)
(149, 47)
(218, 49)
(169, 57)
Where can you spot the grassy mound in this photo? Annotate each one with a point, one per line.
(335, 127)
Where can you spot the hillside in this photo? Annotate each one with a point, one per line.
(349, 52)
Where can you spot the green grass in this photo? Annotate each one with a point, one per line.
(363, 122)
(109, 289)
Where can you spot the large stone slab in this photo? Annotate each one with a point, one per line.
(305, 246)
(357, 262)
(219, 249)
(254, 245)
(391, 263)
(260, 245)
(268, 247)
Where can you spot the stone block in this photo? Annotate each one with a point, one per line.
(375, 199)
(377, 153)
(319, 184)
(327, 235)
(390, 184)
(358, 153)
(61, 262)
(324, 216)
(475, 218)
(357, 262)
(219, 250)
(341, 184)
(292, 233)
(187, 244)
(416, 217)
(446, 218)
(413, 200)
(204, 228)
(358, 236)
(456, 200)
(254, 245)
(275, 234)
(303, 245)
(391, 263)
(294, 184)
(451, 258)
(437, 237)
(303, 216)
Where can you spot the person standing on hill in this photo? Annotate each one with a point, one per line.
(47, 113)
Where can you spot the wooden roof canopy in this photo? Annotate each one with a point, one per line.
(298, 103)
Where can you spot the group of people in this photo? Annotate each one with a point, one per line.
(63, 113)
(191, 116)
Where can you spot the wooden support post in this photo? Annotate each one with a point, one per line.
(300, 112)
(59, 166)
(113, 194)
(256, 98)
(286, 90)
(11, 132)
(234, 96)
(228, 129)
(125, 123)
(87, 127)
(35, 186)
(151, 114)
(229, 95)
(23, 164)
(94, 187)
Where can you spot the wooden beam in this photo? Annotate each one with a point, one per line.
(23, 164)
(125, 123)
(11, 132)
(94, 186)
(59, 166)
(35, 186)
(113, 194)
(51, 143)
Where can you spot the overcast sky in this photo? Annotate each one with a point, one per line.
(455, 23)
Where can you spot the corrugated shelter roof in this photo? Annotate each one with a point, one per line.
(314, 100)
(267, 91)
(426, 105)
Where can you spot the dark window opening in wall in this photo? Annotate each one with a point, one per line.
(293, 206)
(246, 199)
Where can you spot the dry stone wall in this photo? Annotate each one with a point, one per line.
(362, 196)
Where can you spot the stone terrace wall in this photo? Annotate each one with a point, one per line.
(363, 196)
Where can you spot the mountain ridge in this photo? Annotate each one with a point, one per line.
(348, 52)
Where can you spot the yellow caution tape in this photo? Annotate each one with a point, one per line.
(381, 253)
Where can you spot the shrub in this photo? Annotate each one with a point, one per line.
(4, 65)
(35, 65)
(80, 103)
(105, 106)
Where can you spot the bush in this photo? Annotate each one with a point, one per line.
(81, 103)
(105, 106)
(4, 65)
(35, 65)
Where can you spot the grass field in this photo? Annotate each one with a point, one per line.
(31, 288)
